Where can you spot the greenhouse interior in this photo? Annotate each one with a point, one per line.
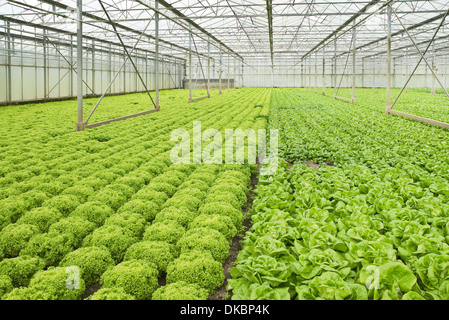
(224, 150)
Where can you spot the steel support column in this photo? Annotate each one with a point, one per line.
(9, 67)
(433, 92)
(316, 71)
(354, 62)
(190, 65)
(335, 67)
(93, 67)
(324, 71)
(220, 72)
(79, 58)
(388, 108)
(208, 69)
(229, 84)
(156, 58)
(363, 73)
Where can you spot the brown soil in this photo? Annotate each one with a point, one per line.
(90, 290)
(290, 163)
(311, 164)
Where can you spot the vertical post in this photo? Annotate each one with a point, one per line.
(363, 72)
(388, 108)
(302, 74)
(59, 70)
(93, 67)
(243, 73)
(36, 64)
(156, 63)
(71, 70)
(324, 71)
(79, 57)
(374, 73)
(124, 74)
(316, 71)
(335, 67)
(220, 71)
(208, 68)
(310, 74)
(146, 68)
(354, 61)
(393, 74)
(229, 84)
(433, 68)
(406, 68)
(190, 64)
(44, 58)
(9, 70)
(235, 65)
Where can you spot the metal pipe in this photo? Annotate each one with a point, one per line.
(433, 69)
(388, 108)
(335, 66)
(354, 61)
(190, 66)
(9, 68)
(156, 73)
(229, 84)
(324, 71)
(208, 69)
(316, 71)
(79, 58)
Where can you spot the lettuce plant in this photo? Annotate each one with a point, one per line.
(115, 293)
(223, 209)
(51, 248)
(181, 215)
(164, 187)
(75, 227)
(132, 221)
(15, 237)
(180, 291)
(205, 239)
(221, 223)
(65, 204)
(92, 262)
(159, 253)
(5, 285)
(21, 269)
(147, 209)
(80, 191)
(96, 212)
(116, 239)
(196, 267)
(135, 277)
(41, 217)
(168, 231)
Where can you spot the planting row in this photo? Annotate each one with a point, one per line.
(122, 213)
(374, 227)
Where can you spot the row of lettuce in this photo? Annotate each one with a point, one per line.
(376, 226)
(110, 205)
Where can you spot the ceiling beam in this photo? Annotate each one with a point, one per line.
(195, 25)
(270, 28)
(345, 24)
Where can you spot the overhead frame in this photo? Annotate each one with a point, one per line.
(389, 108)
